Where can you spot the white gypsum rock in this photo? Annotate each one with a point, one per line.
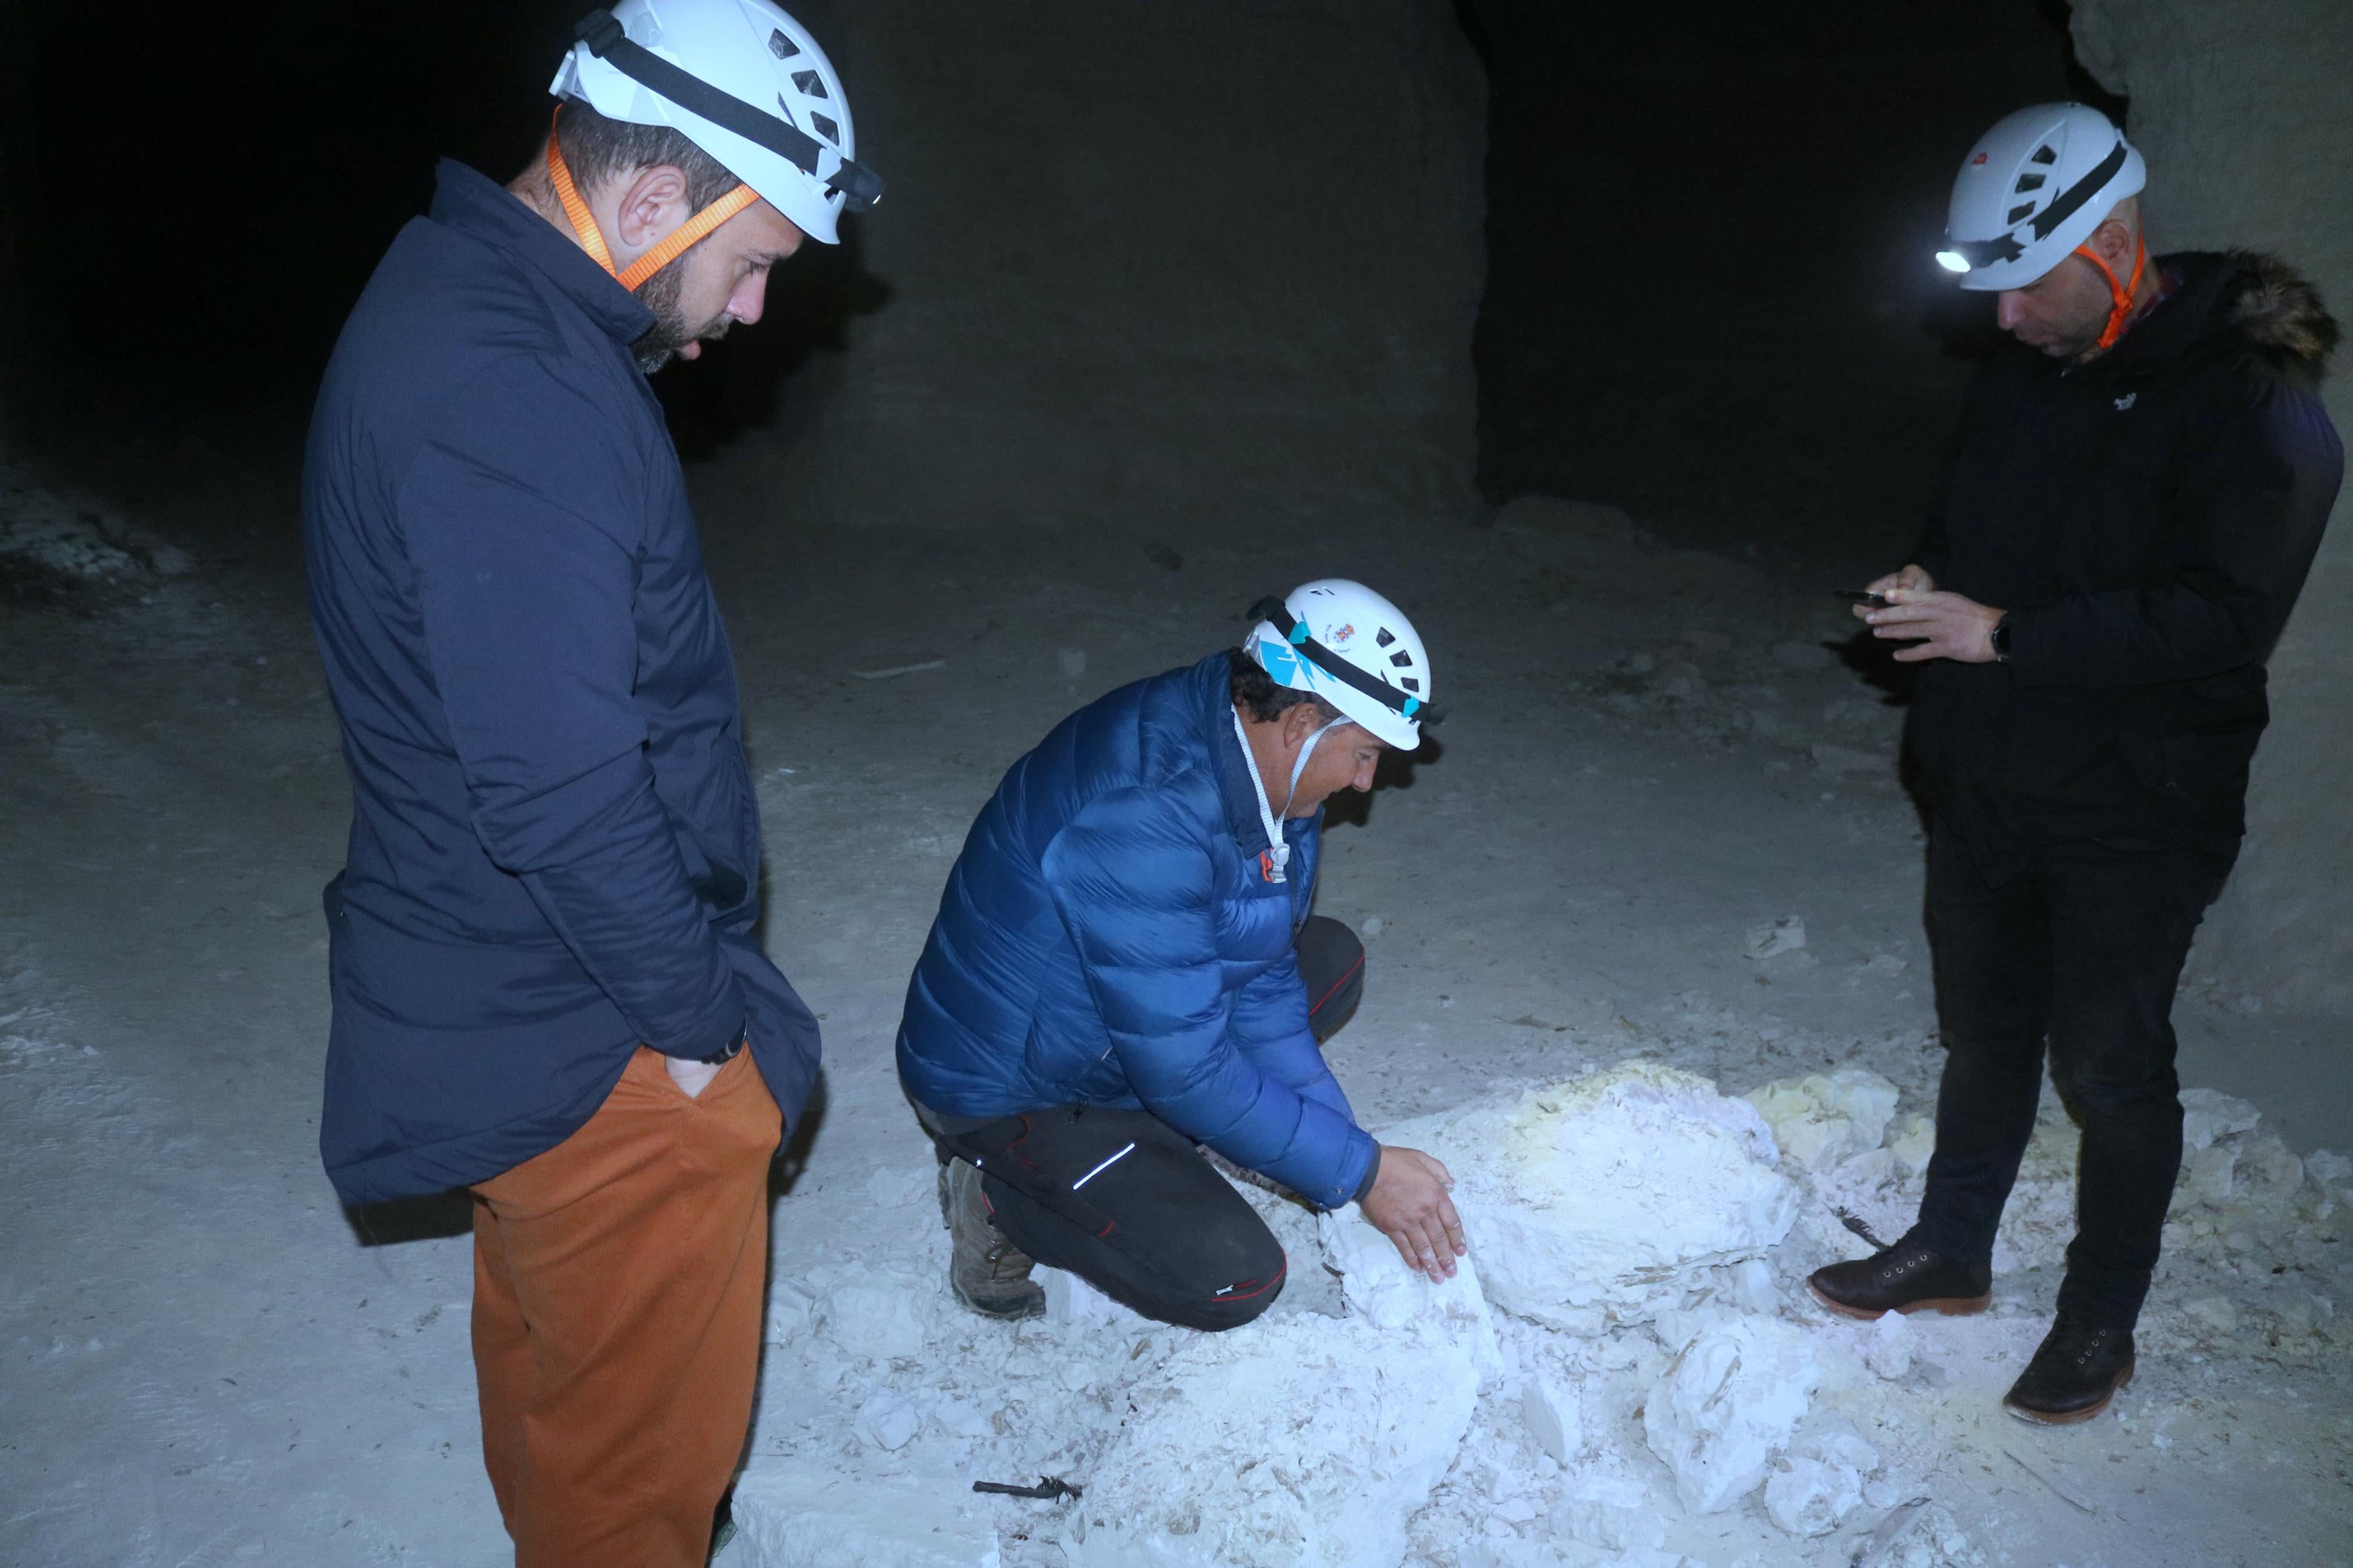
(1811, 1497)
(888, 1420)
(1888, 1351)
(1611, 1199)
(1306, 1443)
(1553, 1418)
(1822, 1118)
(1381, 1290)
(1727, 1406)
(1786, 935)
(1070, 1300)
(872, 1314)
(2208, 1114)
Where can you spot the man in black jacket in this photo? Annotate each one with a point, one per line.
(2137, 492)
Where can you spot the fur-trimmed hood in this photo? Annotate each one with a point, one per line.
(2288, 333)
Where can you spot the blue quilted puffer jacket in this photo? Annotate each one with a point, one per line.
(1108, 937)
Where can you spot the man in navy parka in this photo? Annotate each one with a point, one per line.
(542, 950)
(1124, 967)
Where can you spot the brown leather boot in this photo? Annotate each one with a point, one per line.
(1904, 1277)
(988, 1273)
(2073, 1374)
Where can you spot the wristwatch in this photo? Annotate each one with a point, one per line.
(723, 1057)
(2001, 640)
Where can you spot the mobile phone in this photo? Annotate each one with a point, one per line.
(1862, 596)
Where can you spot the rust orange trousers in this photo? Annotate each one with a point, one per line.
(618, 1288)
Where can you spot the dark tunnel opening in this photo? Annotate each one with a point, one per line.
(1710, 299)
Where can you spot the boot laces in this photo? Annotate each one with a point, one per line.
(2079, 1342)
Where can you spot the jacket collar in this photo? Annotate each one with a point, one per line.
(1228, 761)
(2186, 314)
(477, 205)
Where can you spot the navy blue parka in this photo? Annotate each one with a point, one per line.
(1108, 937)
(555, 852)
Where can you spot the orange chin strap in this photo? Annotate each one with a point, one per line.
(2122, 293)
(673, 245)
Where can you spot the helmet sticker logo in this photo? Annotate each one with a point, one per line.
(1978, 160)
(1337, 637)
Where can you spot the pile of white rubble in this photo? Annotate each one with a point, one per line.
(1628, 1366)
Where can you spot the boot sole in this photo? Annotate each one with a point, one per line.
(2072, 1418)
(1011, 1311)
(1943, 1306)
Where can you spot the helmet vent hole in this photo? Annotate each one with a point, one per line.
(2028, 183)
(810, 83)
(2022, 213)
(781, 47)
(826, 127)
(2044, 154)
(1409, 683)
(1386, 636)
(1402, 659)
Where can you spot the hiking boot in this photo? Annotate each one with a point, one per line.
(988, 1273)
(1904, 1277)
(2074, 1375)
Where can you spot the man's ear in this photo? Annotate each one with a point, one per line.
(1300, 721)
(2112, 241)
(653, 202)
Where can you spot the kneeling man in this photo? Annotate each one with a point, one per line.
(1123, 969)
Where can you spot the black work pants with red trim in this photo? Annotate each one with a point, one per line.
(1129, 1204)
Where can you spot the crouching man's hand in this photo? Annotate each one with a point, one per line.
(1408, 1204)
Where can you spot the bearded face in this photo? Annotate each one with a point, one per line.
(672, 331)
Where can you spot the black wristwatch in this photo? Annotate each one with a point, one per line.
(723, 1057)
(2001, 640)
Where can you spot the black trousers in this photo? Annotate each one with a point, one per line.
(2084, 948)
(1127, 1202)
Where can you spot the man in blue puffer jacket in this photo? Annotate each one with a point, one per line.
(1124, 968)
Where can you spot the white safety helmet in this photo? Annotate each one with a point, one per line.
(744, 82)
(1351, 647)
(2031, 190)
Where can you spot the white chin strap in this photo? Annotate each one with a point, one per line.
(1277, 851)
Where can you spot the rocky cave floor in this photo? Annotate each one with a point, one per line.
(1656, 757)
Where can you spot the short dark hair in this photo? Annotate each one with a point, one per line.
(1255, 690)
(595, 149)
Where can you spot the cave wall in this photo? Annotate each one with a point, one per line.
(1688, 313)
(1144, 264)
(2244, 109)
(20, 220)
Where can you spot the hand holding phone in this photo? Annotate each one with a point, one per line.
(1862, 596)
